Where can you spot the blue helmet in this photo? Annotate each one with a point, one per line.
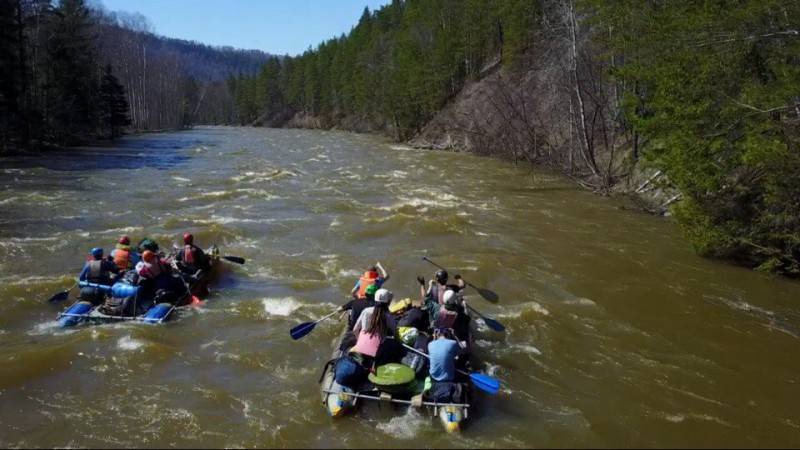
(97, 252)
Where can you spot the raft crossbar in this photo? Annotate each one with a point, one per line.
(394, 400)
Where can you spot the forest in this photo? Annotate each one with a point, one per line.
(71, 73)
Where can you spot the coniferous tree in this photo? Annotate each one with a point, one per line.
(113, 105)
(11, 72)
(72, 87)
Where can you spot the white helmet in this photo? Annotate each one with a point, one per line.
(450, 297)
(384, 296)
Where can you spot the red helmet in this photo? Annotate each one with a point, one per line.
(188, 239)
(148, 256)
(125, 240)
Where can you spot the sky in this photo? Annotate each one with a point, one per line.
(274, 26)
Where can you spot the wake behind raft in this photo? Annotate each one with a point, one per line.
(139, 308)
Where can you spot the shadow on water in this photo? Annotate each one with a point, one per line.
(154, 152)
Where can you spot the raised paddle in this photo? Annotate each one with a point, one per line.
(491, 323)
(305, 328)
(488, 295)
(61, 296)
(481, 381)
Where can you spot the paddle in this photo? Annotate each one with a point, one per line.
(306, 328)
(61, 296)
(481, 381)
(234, 259)
(491, 323)
(488, 295)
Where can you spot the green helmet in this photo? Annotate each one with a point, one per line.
(371, 289)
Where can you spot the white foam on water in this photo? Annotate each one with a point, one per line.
(401, 148)
(129, 344)
(527, 349)
(281, 306)
(182, 180)
(9, 200)
(404, 427)
(580, 302)
(335, 223)
(525, 307)
(120, 230)
(212, 194)
(50, 327)
(213, 343)
(352, 273)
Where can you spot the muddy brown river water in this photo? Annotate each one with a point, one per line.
(617, 333)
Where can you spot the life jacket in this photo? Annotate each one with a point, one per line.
(122, 257)
(152, 271)
(446, 318)
(437, 292)
(188, 255)
(97, 273)
(366, 280)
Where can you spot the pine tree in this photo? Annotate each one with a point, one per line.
(113, 105)
(72, 90)
(11, 73)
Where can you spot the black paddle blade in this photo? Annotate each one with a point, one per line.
(302, 330)
(488, 295)
(60, 297)
(234, 259)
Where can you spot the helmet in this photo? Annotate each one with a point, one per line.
(125, 240)
(148, 256)
(188, 239)
(371, 289)
(384, 296)
(148, 244)
(441, 276)
(450, 297)
(97, 252)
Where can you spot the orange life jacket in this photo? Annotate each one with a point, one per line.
(366, 280)
(122, 258)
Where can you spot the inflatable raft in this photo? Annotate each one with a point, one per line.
(396, 384)
(145, 310)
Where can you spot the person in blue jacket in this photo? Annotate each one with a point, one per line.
(97, 271)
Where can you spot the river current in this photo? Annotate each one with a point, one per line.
(617, 333)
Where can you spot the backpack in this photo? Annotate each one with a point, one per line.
(349, 373)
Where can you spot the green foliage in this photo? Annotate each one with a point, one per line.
(398, 66)
(714, 87)
(113, 104)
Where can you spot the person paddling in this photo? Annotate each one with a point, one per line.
(98, 271)
(358, 305)
(443, 352)
(124, 257)
(192, 258)
(374, 324)
(434, 296)
(375, 275)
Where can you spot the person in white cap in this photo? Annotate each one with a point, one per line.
(374, 325)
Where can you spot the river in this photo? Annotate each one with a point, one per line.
(617, 333)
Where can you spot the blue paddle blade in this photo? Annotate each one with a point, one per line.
(493, 324)
(485, 383)
(302, 330)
